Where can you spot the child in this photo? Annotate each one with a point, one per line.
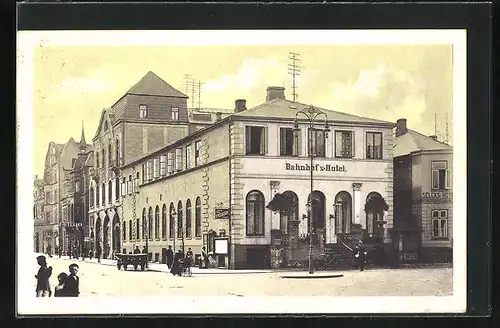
(59, 290)
(72, 282)
(42, 277)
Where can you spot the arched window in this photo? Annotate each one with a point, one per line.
(91, 197)
(188, 219)
(124, 233)
(179, 220)
(197, 217)
(150, 223)
(343, 212)
(110, 191)
(97, 196)
(103, 195)
(291, 213)
(117, 188)
(374, 212)
(137, 228)
(130, 231)
(255, 213)
(157, 222)
(171, 222)
(117, 150)
(143, 230)
(164, 222)
(110, 154)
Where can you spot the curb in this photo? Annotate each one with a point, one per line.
(313, 276)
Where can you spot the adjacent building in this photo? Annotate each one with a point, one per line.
(210, 188)
(40, 224)
(423, 209)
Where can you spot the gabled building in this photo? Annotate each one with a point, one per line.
(210, 189)
(423, 197)
(148, 116)
(38, 216)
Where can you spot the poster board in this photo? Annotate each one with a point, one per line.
(221, 246)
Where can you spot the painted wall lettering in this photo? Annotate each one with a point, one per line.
(316, 167)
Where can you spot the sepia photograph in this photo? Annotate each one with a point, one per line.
(278, 171)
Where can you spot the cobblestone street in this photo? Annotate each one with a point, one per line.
(106, 280)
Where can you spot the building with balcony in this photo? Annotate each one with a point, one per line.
(211, 187)
(423, 198)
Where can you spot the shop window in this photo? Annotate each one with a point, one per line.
(256, 140)
(143, 111)
(439, 224)
(175, 113)
(344, 144)
(197, 217)
(197, 153)
(440, 175)
(255, 217)
(374, 145)
(188, 157)
(289, 142)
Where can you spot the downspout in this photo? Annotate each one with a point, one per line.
(229, 256)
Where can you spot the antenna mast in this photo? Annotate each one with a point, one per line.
(447, 132)
(435, 125)
(200, 84)
(294, 70)
(187, 79)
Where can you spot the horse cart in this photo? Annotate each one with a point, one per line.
(135, 260)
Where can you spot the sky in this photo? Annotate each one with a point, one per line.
(72, 84)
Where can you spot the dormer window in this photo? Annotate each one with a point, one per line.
(143, 111)
(175, 113)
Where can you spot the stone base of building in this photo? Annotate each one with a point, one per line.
(436, 255)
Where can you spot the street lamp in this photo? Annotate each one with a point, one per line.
(311, 113)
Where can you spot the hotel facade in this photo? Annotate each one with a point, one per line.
(211, 187)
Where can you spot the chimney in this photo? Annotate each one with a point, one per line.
(218, 116)
(274, 93)
(401, 127)
(240, 105)
(433, 137)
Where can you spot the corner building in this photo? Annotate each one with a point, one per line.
(239, 163)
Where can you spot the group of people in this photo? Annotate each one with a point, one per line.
(68, 284)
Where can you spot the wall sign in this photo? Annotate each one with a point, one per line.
(222, 213)
(315, 167)
(409, 256)
(437, 195)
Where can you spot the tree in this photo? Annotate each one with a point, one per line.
(284, 204)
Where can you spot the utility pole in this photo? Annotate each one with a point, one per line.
(294, 70)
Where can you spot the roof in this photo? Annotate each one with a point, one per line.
(152, 85)
(283, 108)
(413, 141)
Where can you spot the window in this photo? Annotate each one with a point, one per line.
(124, 235)
(130, 231)
(150, 223)
(292, 214)
(439, 224)
(77, 186)
(91, 196)
(374, 145)
(96, 159)
(344, 144)
(143, 172)
(110, 192)
(103, 200)
(317, 142)
(103, 158)
(256, 140)
(97, 197)
(188, 157)
(197, 217)
(289, 142)
(343, 212)
(143, 230)
(117, 188)
(117, 155)
(149, 173)
(137, 229)
(255, 214)
(129, 185)
(156, 168)
(143, 111)
(171, 232)
(163, 165)
(170, 162)
(178, 159)
(441, 175)
(157, 222)
(188, 219)
(164, 222)
(197, 153)
(124, 184)
(175, 113)
(110, 155)
(179, 220)
(136, 182)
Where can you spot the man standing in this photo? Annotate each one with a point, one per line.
(204, 259)
(170, 257)
(72, 282)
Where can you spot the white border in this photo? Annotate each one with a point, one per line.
(29, 304)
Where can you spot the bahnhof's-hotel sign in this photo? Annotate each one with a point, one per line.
(315, 167)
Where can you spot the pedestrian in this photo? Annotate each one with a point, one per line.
(204, 258)
(42, 277)
(177, 265)
(72, 282)
(98, 254)
(49, 251)
(189, 260)
(359, 255)
(137, 250)
(59, 290)
(144, 250)
(170, 257)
